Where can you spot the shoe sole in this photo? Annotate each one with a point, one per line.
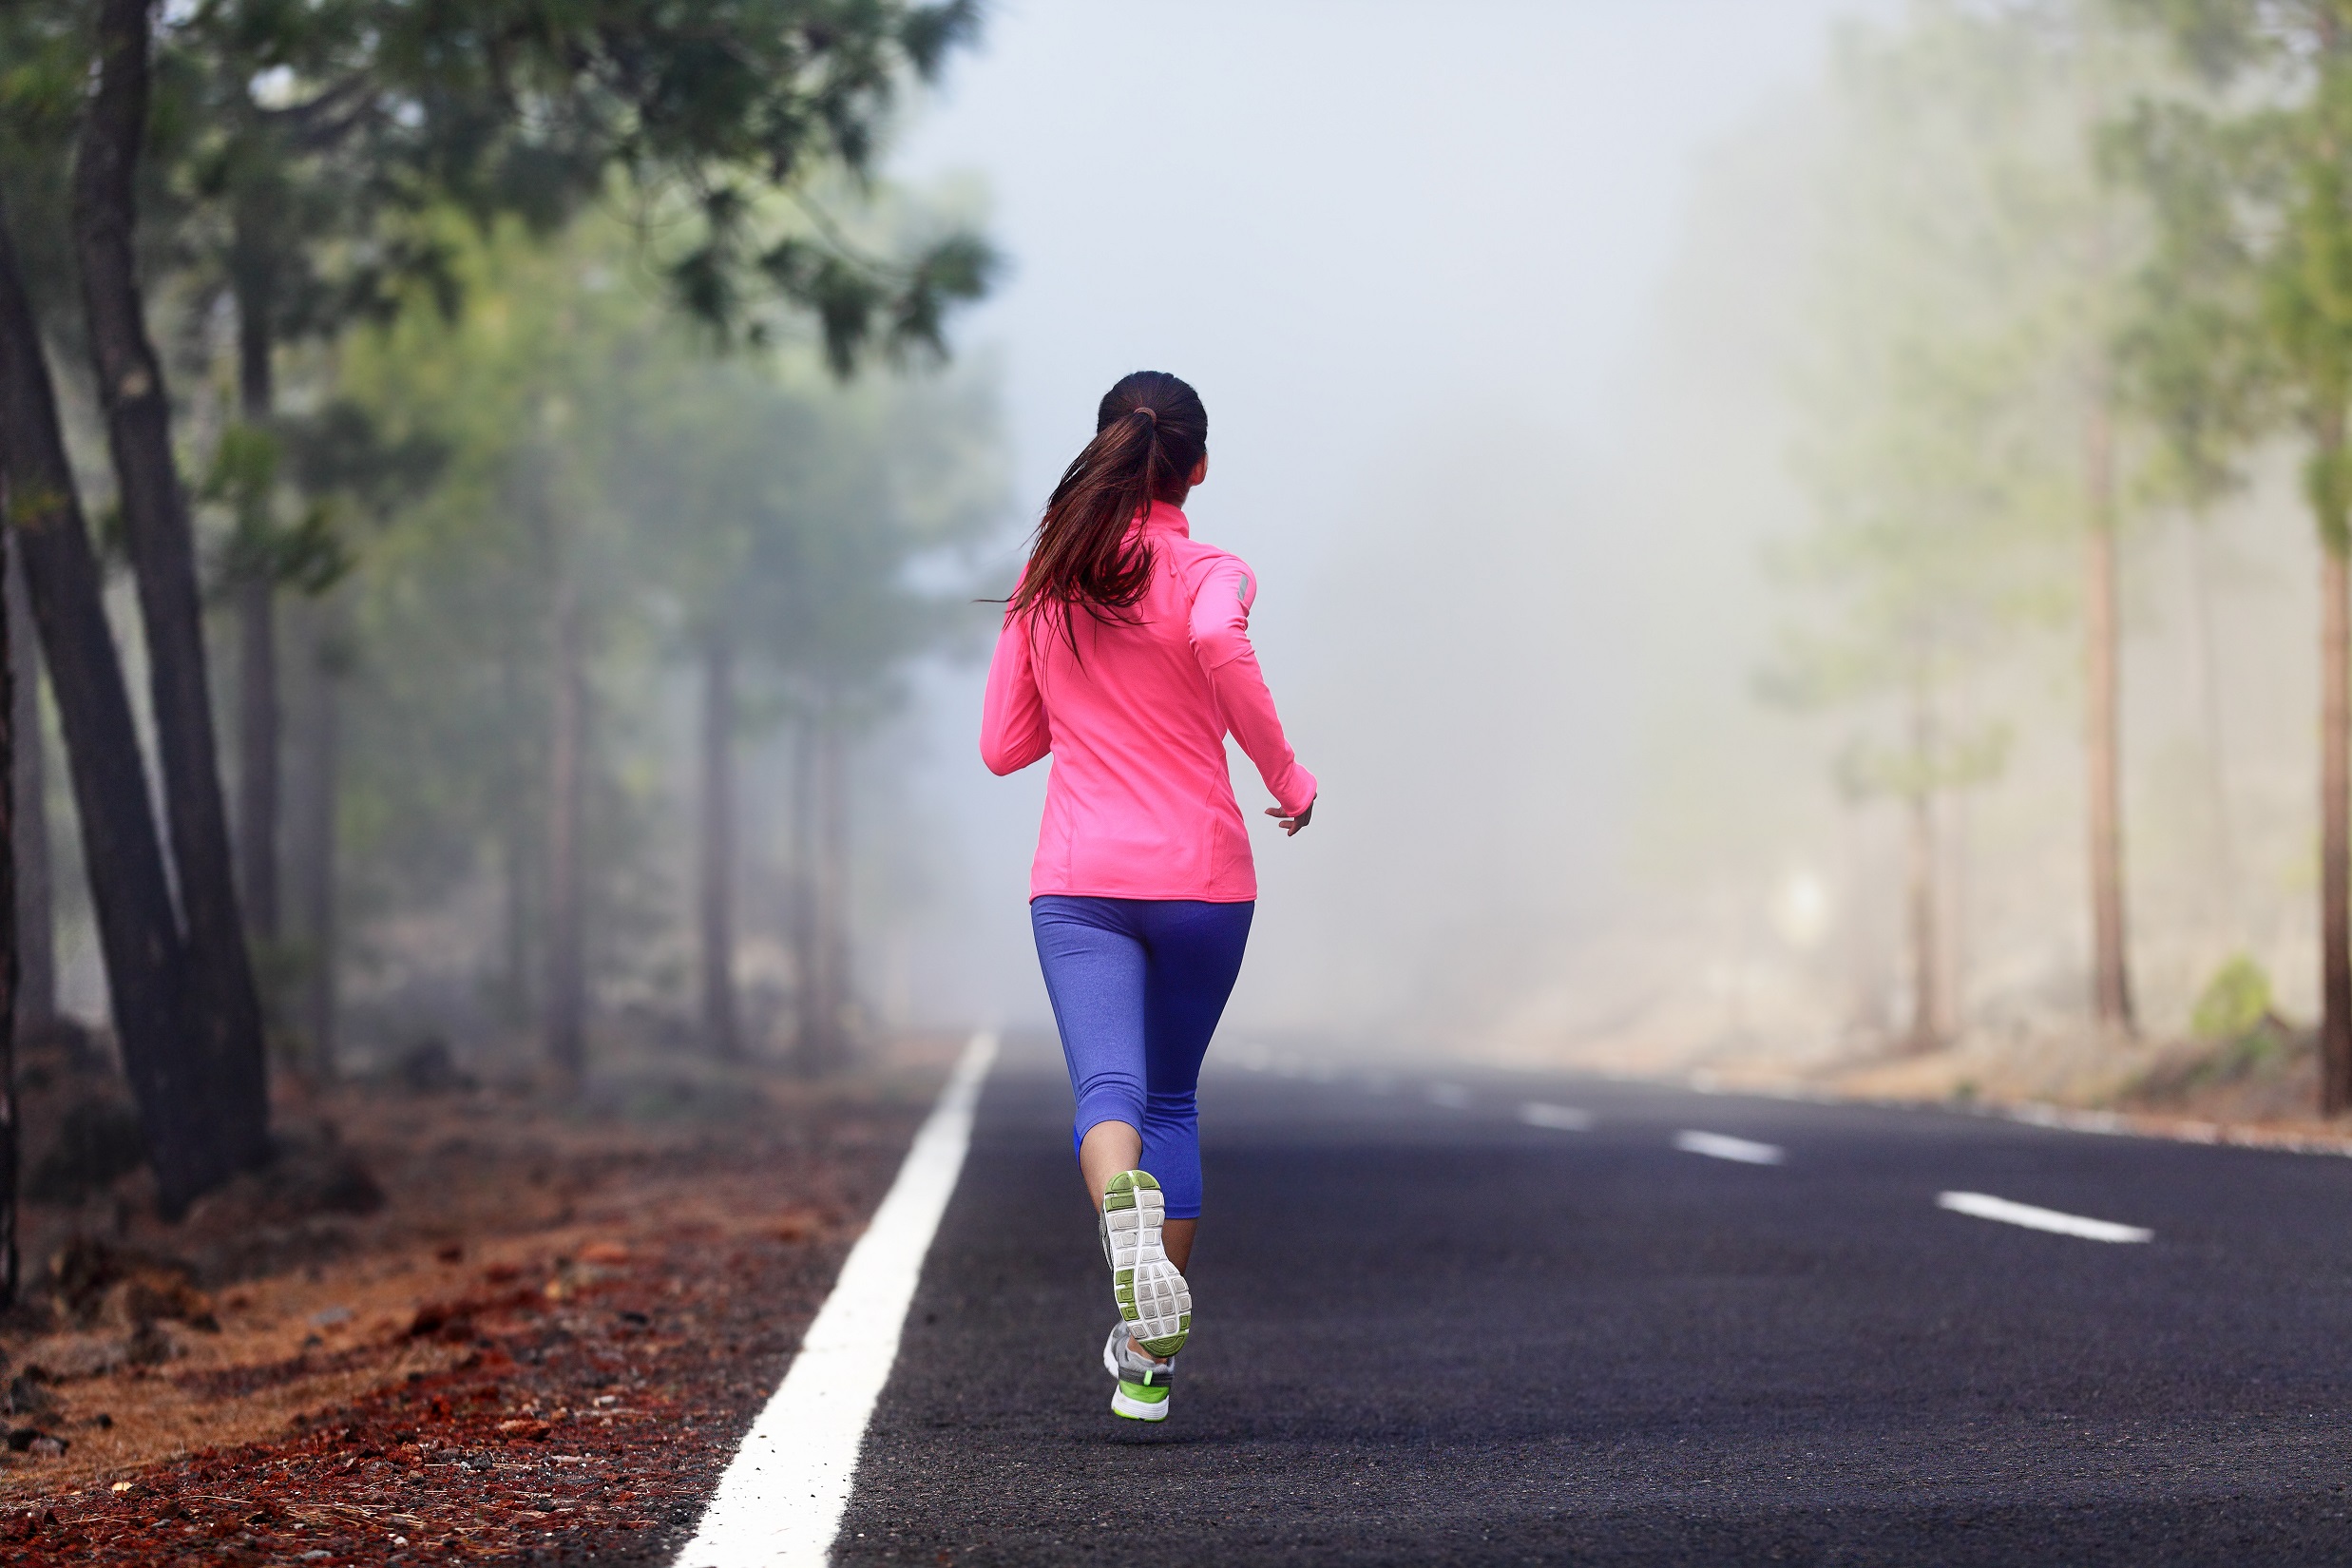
(1152, 1297)
(1137, 1410)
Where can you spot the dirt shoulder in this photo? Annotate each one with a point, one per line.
(2259, 1091)
(538, 1344)
(2256, 1084)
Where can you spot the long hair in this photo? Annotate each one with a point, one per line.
(1150, 433)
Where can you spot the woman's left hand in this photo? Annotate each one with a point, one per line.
(1290, 825)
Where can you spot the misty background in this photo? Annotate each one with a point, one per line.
(1422, 274)
(1513, 322)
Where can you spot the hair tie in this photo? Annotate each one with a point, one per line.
(1145, 410)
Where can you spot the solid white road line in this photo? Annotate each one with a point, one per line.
(1566, 1119)
(782, 1500)
(1983, 1206)
(1452, 1094)
(1716, 1146)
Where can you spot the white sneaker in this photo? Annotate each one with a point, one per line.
(1153, 1298)
(1143, 1384)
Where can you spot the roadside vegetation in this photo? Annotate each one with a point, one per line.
(2071, 292)
(476, 479)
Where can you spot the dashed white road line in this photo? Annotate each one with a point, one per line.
(1717, 1146)
(1450, 1095)
(782, 1500)
(1566, 1119)
(1985, 1206)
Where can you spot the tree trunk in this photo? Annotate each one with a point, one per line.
(1926, 965)
(720, 1027)
(36, 920)
(517, 851)
(2225, 908)
(234, 1083)
(11, 1153)
(1957, 840)
(808, 998)
(1927, 1001)
(123, 855)
(2335, 831)
(833, 896)
(258, 717)
(312, 857)
(257, 753)
(566, 981)
(1863, 935)
(2110, 987)
(820, 834)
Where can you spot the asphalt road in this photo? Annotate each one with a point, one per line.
(1426, 1330)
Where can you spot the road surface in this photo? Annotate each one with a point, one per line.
(1524, 1320)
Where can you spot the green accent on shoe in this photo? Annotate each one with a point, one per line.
(1137, 1410)
(1119, 1192)
(1148, 1289)
(1143, 1394)
(1168, 1345)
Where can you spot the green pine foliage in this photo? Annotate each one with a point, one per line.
(589, 435)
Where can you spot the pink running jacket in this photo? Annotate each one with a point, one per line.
(1140, 804)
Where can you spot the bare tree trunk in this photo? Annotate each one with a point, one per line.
(2216, 730)
(1918, 802)
(36, 920)
(1957, 842)
(808, 1000)
(234, 1082)
(122, 852)
(258, 719)
(567, 979)
(2335, 831)
(311, 851)
(720, 1025)
(516, 851)
(2110, 987)
(11, 1152)
(1926, 1000)
(257, 753)
(1862, 934)
(833, 894)
(514, 857)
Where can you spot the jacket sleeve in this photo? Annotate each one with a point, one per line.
(1013, 732)
(1220, 630)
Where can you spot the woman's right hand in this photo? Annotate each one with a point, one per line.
(1290, 825)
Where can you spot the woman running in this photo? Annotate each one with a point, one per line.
(1126, 654)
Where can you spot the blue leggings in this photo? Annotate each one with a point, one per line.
(1137, 985)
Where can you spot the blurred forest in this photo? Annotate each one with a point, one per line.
(2024, 332)
(476, 481)
(484, 483)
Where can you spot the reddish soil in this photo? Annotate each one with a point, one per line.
(541, 1349)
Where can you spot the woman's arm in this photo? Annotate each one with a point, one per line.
(1220, 629)
(1013, 732)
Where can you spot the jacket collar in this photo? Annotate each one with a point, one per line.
(1163, 518)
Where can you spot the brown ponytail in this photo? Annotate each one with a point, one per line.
(1150, 433)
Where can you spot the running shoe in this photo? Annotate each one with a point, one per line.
(1151, 1296)
(1143, 1384)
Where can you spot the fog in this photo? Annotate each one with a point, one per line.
(1663, 433)
(1415, 262)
